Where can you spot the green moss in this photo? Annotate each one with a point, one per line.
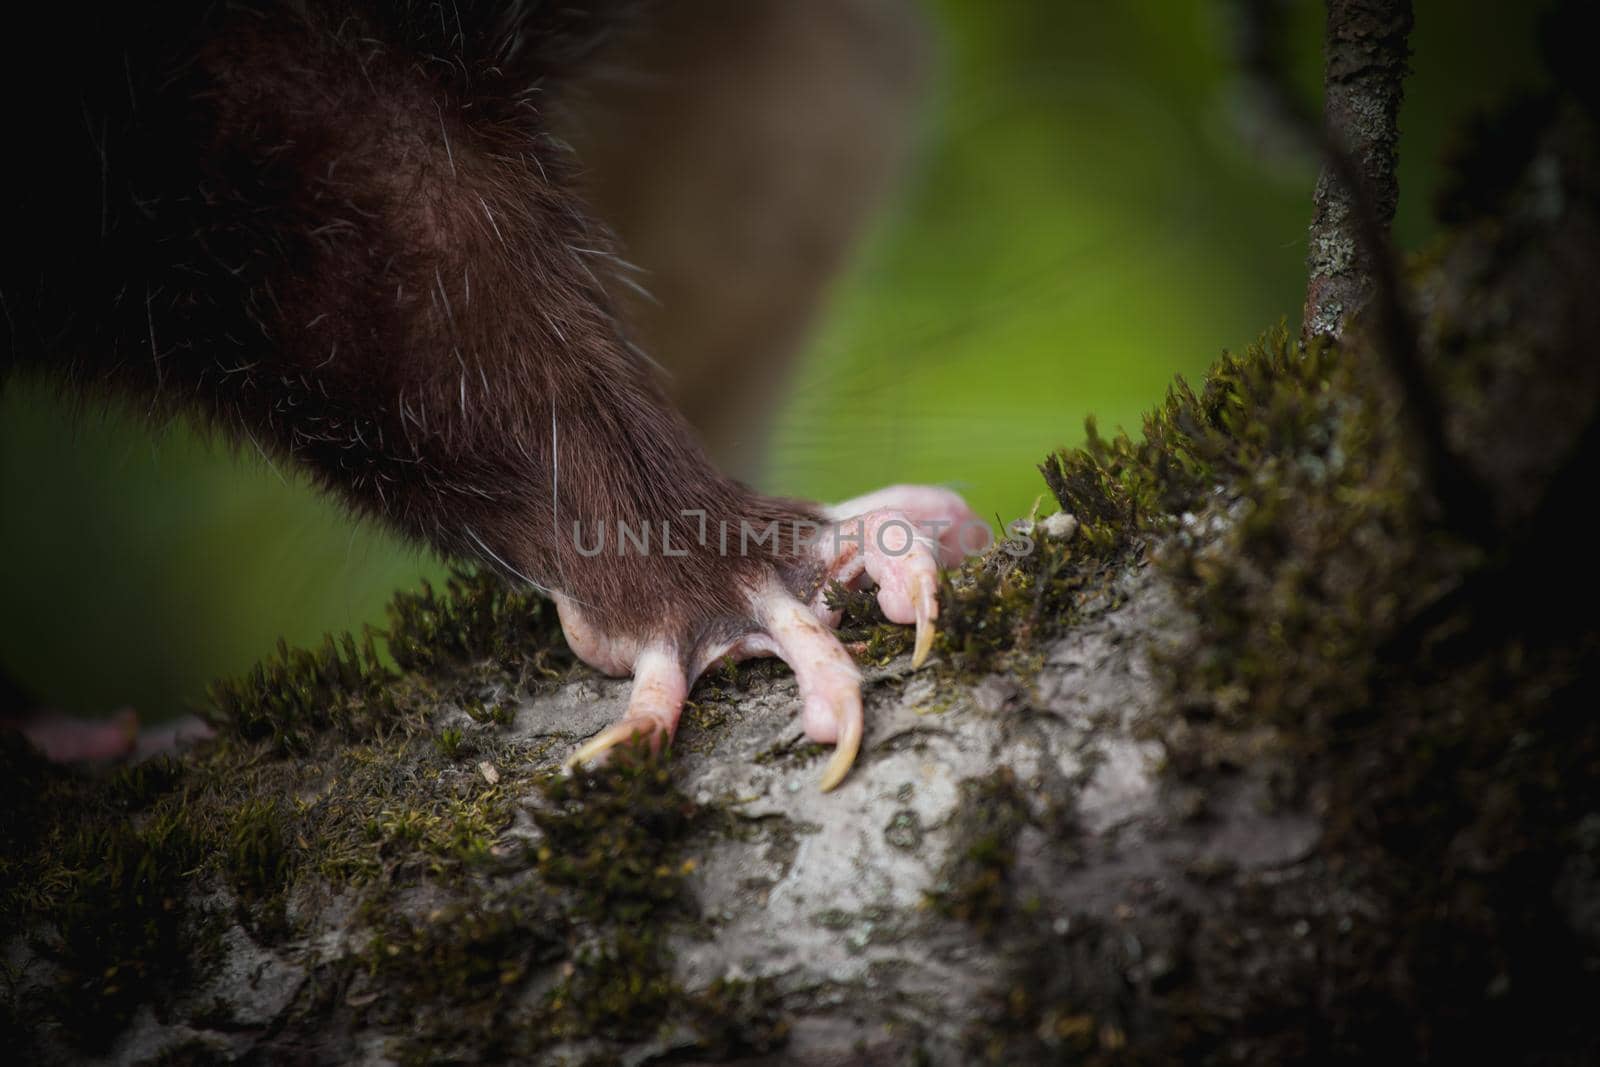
(974, 886)
(862, 628)
(398, 820)
(620, 990)
(448, 742)
(103, 874)
(736, 1019)
(1266, 402)
(480, 617)
(449, 979)
(1317, 576)
(612, 838)
(998, 611)
(1445, 721)
(134, 788)
(1272, 499)
(1283, 512)
(613, 841)
(490, 713)
(113, 905)
(258, 862)
(291, 697)
(592, 909)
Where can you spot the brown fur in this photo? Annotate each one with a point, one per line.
(344, 233)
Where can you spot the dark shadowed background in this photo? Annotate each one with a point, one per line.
(1093, 209)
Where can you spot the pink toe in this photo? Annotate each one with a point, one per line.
(829, 681)
(896, 604)
(64, 739)
(942, 514)
(821, 725)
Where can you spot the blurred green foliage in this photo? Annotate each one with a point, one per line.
(1092, 210)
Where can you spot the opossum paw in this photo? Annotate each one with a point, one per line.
(896, 538)
(62, 738)
(119, 738)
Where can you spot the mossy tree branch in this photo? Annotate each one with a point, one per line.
(1351, 262)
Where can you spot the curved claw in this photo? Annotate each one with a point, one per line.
(654, 705)
(603, 742)
(830, 683)
(904, 564)
(926, 601)
(845, 750)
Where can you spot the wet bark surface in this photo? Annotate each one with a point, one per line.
(1365, 64)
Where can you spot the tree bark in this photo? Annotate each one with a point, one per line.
(1365, 64)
